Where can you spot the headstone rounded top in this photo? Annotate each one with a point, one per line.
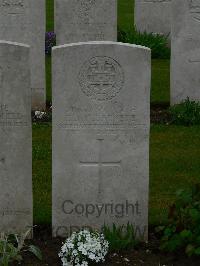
(136, 46)
(14, 43)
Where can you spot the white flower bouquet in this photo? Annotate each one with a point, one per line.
(83, 247)
(39, 114)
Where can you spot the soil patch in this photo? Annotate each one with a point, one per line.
(147, 254)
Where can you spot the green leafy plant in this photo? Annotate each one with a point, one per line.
(183, 228)
(12, 246)
(120, 237)
(186, 113)
(156, 42)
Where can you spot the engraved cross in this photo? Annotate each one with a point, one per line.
(100, 164)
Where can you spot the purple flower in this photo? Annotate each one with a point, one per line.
(50, 41)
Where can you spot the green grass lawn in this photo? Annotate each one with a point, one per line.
(42, 172)
(174, 164)
(125, 14)
(160, 87)
(50, 15)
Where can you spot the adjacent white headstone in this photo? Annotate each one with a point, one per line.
(15, 139)
(101, 99)
(24, 21)
(185, 58)
(85, 20)
(153, 16)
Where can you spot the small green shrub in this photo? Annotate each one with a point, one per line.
(157, 43)
(186, 113)
(12, 246)
(121, 237)
(182, 231)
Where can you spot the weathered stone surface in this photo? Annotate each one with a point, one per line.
(24, 21)
(101, 95)
(153, 16)
(15, 138)
(85, 20)
(185, 58)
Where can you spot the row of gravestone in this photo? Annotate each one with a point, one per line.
(101, 120)
(23, 21)
(181, 18)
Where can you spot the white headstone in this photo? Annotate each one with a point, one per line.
(153, 16)
(15, 139)
(24, 21)
(185, 57)
(85, 20)
(100, 136)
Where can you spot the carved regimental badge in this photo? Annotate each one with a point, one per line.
(101, 78)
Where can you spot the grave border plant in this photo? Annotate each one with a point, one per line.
(187, 113)
(120, 237)
(157, 43)
(12, 246)
(182, 230)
